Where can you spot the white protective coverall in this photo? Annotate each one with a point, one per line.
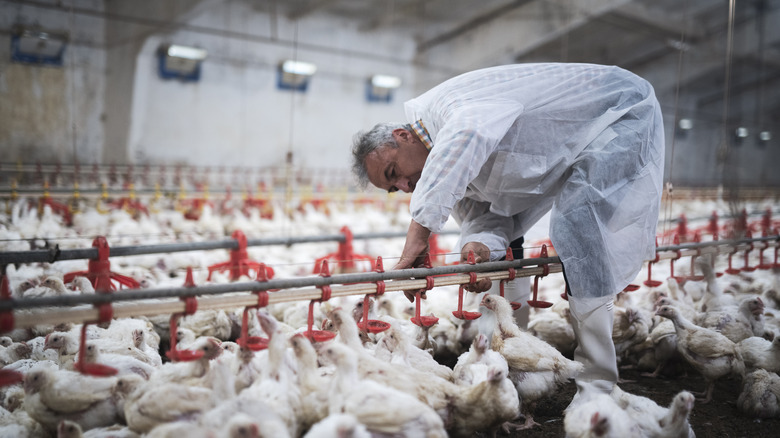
(512, 142)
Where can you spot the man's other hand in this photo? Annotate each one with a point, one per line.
(481, 254)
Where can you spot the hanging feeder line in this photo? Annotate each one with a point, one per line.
(55, 254)
(450, 275)
(421, 275)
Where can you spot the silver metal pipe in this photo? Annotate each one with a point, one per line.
(282, 283)
(55, 254)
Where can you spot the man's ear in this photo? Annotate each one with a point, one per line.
(402, 134)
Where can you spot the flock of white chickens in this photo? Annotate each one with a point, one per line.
(359, 384)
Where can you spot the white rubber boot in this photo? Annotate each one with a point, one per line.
(595, 349)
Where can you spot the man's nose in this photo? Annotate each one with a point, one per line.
(403, 185)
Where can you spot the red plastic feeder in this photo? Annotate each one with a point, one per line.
(460, 313)
(99, 270)
(254, 343)
(682, 228)
(56, 207)
(747, 267)
(130, 203)
(418, 319)
(679, 280)
(239, 263)
(731, 270)
(512, 273)
(535, 302)
(712, 226)
(105, 314)
(319, 335)
(761, 264)
(190, 307)
(374, 325)
(345, 257)
(696, 239)
(650, 282)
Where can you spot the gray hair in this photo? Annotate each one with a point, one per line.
(366, 142)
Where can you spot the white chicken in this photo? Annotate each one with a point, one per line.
(277, 387)
(381, 409)
(52, 396)
(338, 425)
(536, 367)
(244, 412)
(403, 352)
(151, 403)
(598, 415)
(759, 353)
(760, 396)
(709, 352)
(736, 322)
(194, 372)
(214, 323)
(124, 364)
(497, 400)
(472, 366)
(312, 381)
(428, 388)
(554, 329)
(70, 429)
(629, 327)
(655, 420)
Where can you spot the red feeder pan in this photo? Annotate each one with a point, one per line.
(535, 302)
(190, 306)
(175, 354)
(731, 270)
(460, 313)
(631, 288)
(92, 369)
(319, 335)
(373, 325)
(417, 319)
(761, 264)
(254, 343)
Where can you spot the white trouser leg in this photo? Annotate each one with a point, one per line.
(595, 349)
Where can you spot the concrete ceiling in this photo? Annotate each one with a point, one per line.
(683, 47)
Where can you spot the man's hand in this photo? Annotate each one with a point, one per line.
(415, 248)
(481, 254)
(413, 255)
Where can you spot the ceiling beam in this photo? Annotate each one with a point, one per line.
(661, 23)
(388, 18)
(708, 55)
(308, 8)
(514, 33)
(467, 26)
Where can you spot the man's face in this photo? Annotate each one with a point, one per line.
(398, 168)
